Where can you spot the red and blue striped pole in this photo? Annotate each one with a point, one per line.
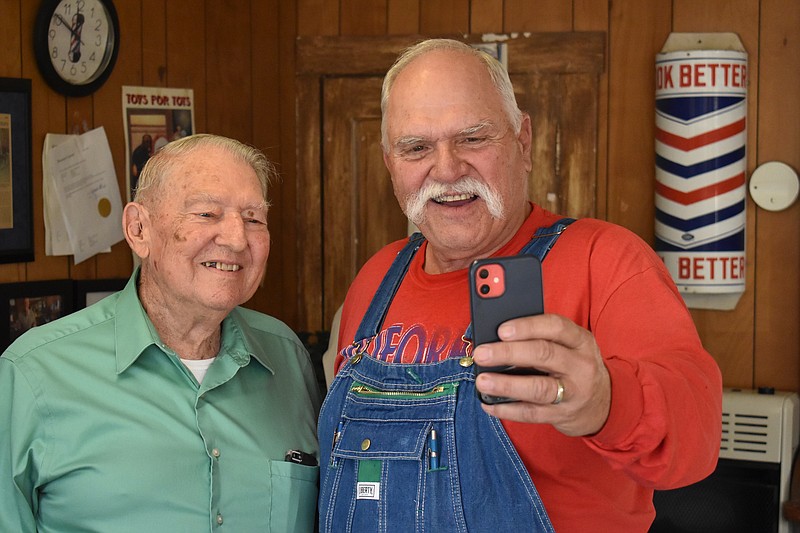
(701, 159)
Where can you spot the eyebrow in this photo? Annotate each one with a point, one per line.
(411, 140)
(208, 198)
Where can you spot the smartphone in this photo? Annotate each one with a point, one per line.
(300, 458)
(503, 288)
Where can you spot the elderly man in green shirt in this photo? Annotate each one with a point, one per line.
(167, 407)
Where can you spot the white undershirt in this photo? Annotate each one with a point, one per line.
(198, 367)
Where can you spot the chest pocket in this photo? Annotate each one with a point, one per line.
(392, 424)
(294, 496)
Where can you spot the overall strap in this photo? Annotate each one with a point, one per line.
(377, 309)
(544, 239)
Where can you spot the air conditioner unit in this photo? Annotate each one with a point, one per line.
(746, 492)
(762, 426)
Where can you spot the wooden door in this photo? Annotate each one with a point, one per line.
(360, 214)
(347, 209)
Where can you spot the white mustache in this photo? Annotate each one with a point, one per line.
(416, 203)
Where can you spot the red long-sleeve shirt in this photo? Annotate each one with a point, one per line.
(663, 429)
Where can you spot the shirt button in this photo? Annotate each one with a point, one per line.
(219, 519)
(215, 453)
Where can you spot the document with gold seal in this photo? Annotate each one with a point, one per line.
(82, 197)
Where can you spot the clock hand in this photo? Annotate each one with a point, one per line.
(69, 27)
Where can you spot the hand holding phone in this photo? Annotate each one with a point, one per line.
(501, 289)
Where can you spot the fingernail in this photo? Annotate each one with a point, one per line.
(481, 354)
(506, 331)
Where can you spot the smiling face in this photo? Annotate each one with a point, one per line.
(205, 243)
(457, 164)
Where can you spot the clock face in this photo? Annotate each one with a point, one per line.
(80, 40)
(76, 43)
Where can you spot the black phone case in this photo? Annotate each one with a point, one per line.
(522, 297)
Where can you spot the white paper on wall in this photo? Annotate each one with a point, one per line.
(83, 209)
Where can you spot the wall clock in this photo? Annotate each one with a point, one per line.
(76, 43)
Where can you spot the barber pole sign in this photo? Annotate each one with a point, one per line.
(701, 111)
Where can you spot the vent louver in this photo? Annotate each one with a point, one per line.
(752, 430)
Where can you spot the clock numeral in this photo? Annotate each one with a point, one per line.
(54, 53)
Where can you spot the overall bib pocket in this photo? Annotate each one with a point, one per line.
(383, 444)
(391, 424)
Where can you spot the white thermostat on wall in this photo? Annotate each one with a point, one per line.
(774, 186)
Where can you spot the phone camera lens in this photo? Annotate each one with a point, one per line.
(484, 289)
(483, 273)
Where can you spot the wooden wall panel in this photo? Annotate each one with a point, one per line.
(403, 17)
(444, 16)
(592, 15)
(542, 15)
(318, 17)
(266, 54)
(486, 17)
(637, 32)
(228, 53)
(154, 45)
(285, 255)
(309, 226)
(12, 39)
(363, 17)
(777, 235)
(185, 51)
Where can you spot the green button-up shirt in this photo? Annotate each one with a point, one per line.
(103, 429)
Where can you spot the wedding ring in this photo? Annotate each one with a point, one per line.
(559, 392)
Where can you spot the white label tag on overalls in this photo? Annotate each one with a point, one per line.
(368, 490)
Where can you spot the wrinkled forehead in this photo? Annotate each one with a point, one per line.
(441, 95)
(213, 176)
(440, 70)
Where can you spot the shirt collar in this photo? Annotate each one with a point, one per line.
(240, 341)
(135, 332)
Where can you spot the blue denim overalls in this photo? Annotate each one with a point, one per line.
(378, 472)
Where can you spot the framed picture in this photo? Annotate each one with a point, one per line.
(90, 291)
(25, 305)
(16, 184)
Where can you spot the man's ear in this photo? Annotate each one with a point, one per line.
(136, 227)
